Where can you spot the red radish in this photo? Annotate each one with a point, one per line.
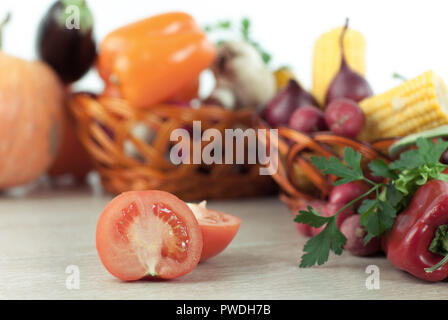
(444, 157)
(355, 233)
(345, 117)
(345, 193)
(347, 83)
(308, 119)
(281, 107)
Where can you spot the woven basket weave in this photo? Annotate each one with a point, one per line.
(294, 149)
(104, 125)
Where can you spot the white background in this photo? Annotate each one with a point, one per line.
(408, 37)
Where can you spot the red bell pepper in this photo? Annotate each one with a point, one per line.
(419, 237)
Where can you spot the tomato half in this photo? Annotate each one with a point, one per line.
(218, 229)
(148, 234)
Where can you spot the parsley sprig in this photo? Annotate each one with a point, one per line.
(403, 177)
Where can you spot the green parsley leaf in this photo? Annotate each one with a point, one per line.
(347, 173)
(393, 195)
(379, 168)
(408, 160)
(377, 217)
(427, 153)
(311, 218)
(317, 249)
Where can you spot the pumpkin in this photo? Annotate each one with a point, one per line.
(31, 119)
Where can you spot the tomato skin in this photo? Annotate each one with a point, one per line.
(217, 237)
(218, 229)
(117, 252)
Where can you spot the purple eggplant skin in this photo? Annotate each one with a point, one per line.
(70, 52)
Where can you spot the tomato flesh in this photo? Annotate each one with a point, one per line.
(218, 229)
(148, 234)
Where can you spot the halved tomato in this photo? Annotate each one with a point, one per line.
(148, 234)
(218, 229)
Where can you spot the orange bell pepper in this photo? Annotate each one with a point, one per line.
(154, 59)
(185, 94)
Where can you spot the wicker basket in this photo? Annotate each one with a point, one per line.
(295, 168)
(104, 126)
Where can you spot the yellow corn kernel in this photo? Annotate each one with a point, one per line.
(414, 106)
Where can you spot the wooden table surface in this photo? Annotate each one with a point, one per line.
(44, 233)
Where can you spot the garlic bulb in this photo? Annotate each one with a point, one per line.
(240, 69)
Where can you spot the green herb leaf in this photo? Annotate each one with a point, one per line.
(376, 216)
(347, 173)
(408, 160)
(427, 153)
(311, 218)
(380, 168)
(393, 196)
(317, 249)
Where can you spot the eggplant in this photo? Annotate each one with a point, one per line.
(65, 40)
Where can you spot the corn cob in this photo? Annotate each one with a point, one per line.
(414, 106)
(327, 58)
